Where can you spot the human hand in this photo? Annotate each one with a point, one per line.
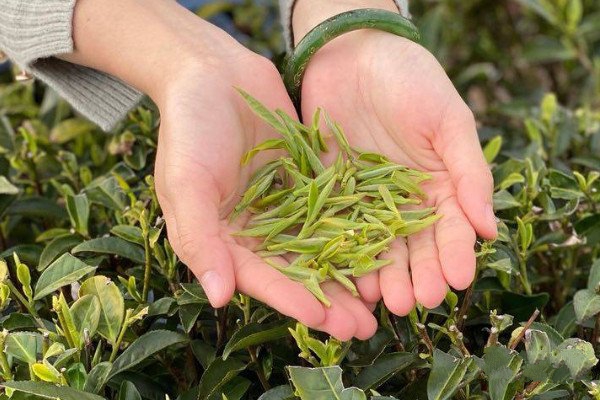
(393, 97)
(190, 69)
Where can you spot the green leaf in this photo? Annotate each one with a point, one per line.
(76, 376)
(128, 391)
(261, 111)
(503, 200)
(492, 149)
(446, 375)
(46, 372)
(578, 355)
(98, 377)
(24, 346)
(256, 333)
(38, 208)
(64, 271)
(145, 346)
(384, 367)
(268, 144)
(112, 305)
(511, 180)
(130, 233)
(192, 294)
(283, 392)
(574, 13)
(537, 345)
(188, 314)
(218, 373)
(106, 191)
(57, 247)
(112, 246)
(204, 352)
(522, 306)
(593, 282)
(6, 187)
(235, 389)
(69, 129)
(322, 384)
(368, 350)
(587, 304)
(78, 208)
(86, 314)
(501, 366)
(47, 390)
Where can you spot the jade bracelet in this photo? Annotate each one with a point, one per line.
(319, 36)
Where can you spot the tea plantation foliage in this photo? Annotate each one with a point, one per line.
(95, 304)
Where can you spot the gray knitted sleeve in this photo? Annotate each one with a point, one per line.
(33, 31)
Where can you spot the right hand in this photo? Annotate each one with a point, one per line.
(206, 127)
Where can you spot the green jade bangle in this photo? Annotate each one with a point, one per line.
(326, 31)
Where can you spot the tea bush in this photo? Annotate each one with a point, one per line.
(95, 304)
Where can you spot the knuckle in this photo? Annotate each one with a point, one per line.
(188, 248)
(465, 115)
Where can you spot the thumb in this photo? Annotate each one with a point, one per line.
(458, 145)
(194, 230)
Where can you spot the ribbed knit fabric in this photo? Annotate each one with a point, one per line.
(32, 32)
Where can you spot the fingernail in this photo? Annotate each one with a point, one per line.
(212, 283)
(491, 217)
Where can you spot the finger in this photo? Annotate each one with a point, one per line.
(455, 240)
(458, 144)
(368, 287)
(264, 283)
(427, 277)
(364, 321)
(370, 306)
(394, 280)
(199, 243)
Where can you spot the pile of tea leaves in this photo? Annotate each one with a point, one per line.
(333, 221)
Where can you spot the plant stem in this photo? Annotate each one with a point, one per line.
(595, 339)
(259, 369)
(30, 308)
(117, 344)
(147, 267)
(425, 337)
(523, 275)
(527, 325)
(528, 389)
(6, 372)
(464, 307)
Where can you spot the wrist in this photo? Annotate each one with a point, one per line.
(309, 13)
(147, 43)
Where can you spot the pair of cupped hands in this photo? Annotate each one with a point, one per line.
(389, 94)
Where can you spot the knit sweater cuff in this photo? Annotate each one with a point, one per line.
(32, 32)
(100, 97)
(286, 8)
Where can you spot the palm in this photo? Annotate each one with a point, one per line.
(392, 96)
(200, 180)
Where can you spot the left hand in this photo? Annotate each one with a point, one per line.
(392, 96)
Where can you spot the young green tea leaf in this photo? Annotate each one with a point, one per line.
(112, 305)
(47, 390)
(446, 375)
(145, 346)
(64, 271)
(256, 333)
